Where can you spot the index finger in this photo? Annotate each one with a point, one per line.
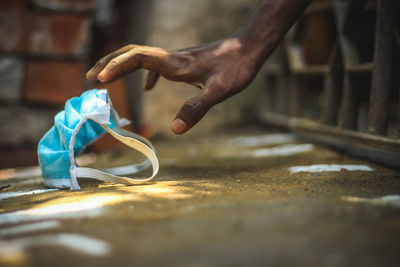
(99, 66)
(150, 58)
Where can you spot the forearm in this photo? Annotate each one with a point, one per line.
(267, 25)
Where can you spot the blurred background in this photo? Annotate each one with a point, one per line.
(322, 71)
(46, 47)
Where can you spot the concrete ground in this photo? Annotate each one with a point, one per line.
(218, 200)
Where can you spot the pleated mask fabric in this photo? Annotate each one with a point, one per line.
(82, 122)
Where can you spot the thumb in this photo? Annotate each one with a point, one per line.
(192, 111)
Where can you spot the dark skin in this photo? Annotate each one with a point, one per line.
(220, 69)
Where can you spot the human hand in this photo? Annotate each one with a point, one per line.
(220, 69)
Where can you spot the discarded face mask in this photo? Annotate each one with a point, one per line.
(84, 120)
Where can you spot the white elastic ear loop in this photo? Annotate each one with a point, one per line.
(133, 143)
(134, 168)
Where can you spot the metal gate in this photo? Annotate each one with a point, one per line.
(336, 78)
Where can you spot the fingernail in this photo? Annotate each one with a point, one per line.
(101, 77)
(179, 126)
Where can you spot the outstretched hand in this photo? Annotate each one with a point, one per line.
(220, 69)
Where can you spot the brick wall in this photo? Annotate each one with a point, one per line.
(45, 50)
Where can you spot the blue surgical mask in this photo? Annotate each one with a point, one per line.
(83, 121)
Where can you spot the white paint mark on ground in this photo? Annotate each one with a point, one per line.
(263, 140)
(36, 180)
(66, 208)
(58, 211)
(329, 168)
(32, 227)
(6, 195)
(392, 200)
(285, 150)
(20, 173)
(79, 243)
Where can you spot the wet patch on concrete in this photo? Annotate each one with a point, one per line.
(24, 193)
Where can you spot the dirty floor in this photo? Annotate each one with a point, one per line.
(220, 200)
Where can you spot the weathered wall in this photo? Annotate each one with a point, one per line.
(43, 49)
(46, 47)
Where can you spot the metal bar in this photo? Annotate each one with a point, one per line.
(372, 147)
(381, 75)
(271, 92)
(331, 100)
(276, 71)
(332, 88)
(282, 95)
(295, 95)
(397, 112)
(349, 109)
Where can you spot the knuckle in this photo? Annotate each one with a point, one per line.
(99, 63)
(193, 107)
(112, 64)
(138, 55)
(114, 67)
(134, 55)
